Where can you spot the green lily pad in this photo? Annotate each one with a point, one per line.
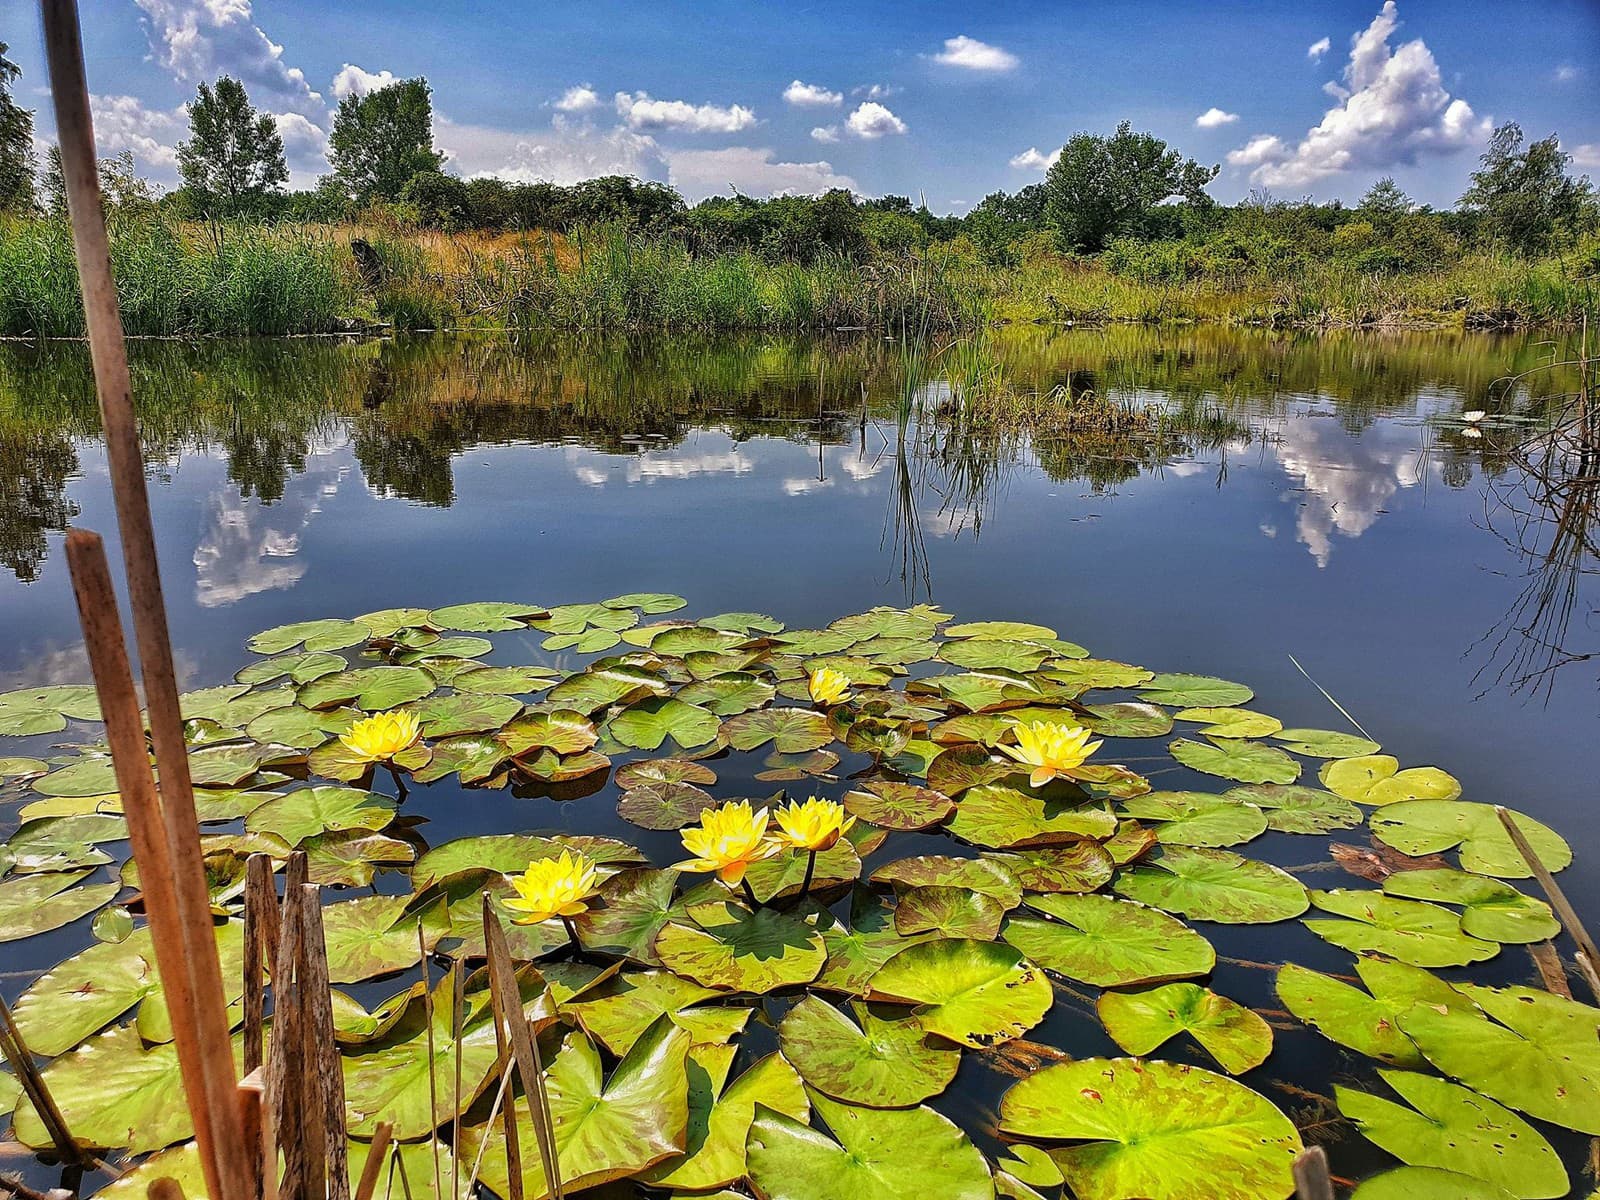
(664, 805)
(1427, 1183)
(1232, 1034)
(934, 870)
(1378, 779)
(637, 903)
(1214, 885)
(22, 768)
(605, 1129)
(84, 994)
(297, 668)
(502, 681)
(370, 688)
(563, 730)
(720, 1117)
(1198, 818)
(440, 650)
(1242, 761)
(1325, 743)
(732, 948)
(1423, 935)
(1231, 722)
(1087, 673)
(473, 757)
(34, 904)
(1127, 719)
(971, 992)
(1449, 1127)
(450, 716)
(1293, 808)
(875, 1060)
(484, 616)
(646, 725)
(1346, 1015)
(729, 695)
(780, 878)
(683, 640)
(1155, 1130)
(1001, 817)
(86, 777)
(45, 844)
(1530, 1050)
(962, 767)
(1494, 911)
(986, 654)
(1187, 691)
(881, 1154)
(510, 854)
(313, 636)
(891, 805)
(368, 937)
(1084, 866)
(789, 730)
(630, 1004)
(856, 950)
(306, 812)
(951, 911)
(1109, 942)
(653, 602)
(301, 728)
(1429, 826)
(1000, 631)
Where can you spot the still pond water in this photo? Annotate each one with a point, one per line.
(1320, 497)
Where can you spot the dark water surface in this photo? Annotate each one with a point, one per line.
(1319, 497)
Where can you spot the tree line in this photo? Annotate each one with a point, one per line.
(1127, 196)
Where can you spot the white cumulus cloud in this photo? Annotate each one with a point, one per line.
(151, 134)
(200, 39)
(641, 112)
(825, 133)
(565, 153)
(1394, 110)
(357, 81)
(1587, 155)
(1213, 117)
(972, 55)
(578, 98)
(1264, 147)
(1032, 159)
(872, 120)
(1318, 48)
(755, 172)
(811, 95)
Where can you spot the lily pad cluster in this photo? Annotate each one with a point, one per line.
(1039, 839)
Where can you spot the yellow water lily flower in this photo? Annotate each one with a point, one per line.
(553, 887)
(816, 825)
(380, 737)
(828, 686)
(728, 839)
(1050, 749)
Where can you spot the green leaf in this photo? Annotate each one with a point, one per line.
(630, 1004)
(1088, 673)
(1539, 1053)
(733, 948)
(1423, 935)
(1377, 779)
(719, 1120)
(878, 1061)
(464, 712)
(301, 728)
(34, 904)
(1325, 743)
(1127, 719)
(368, 937)
(1229, 758)
(306, 812)
(1000, 631)
(1155, 1131)
(1449, 1127)
(1198, 818)
(510, 854)
(647, 724)
(891, 805)
(86, 777)
(84, 994)
(487, 616)
(1295, 809)
(1427, 1183)
(638, 903)
(975, 993)
(1000, 817)
(664, 805)
(1232, 1034)
(1081, 867)
(1495, 911)
(298, 668)
(984, 654)
(603, 1130)
(1428, 826)
(1214, 885)
(951, 911)
(932, 870)
(729, 695)
(1346, 1015)
(474, 758)
(1193, 690)
(563, 730)
(313, 635)
(1231, 722)
(881, 1154)
(790, 730)
(649, 602)
(370, 688)
(1109, 942)
(599, 687)
(856, 950)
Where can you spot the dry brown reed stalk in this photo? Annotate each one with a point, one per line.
(26, 1071)
(1588, 955)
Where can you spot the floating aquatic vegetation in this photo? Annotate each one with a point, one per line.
(974, 818)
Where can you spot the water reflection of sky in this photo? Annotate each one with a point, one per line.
(1344, 535)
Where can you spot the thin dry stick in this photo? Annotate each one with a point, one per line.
(506, 999)
(327, 1077)
(212, 1101)
(457, 1019)
(1327, 695)
(1588, 955)
(16, 1053)
(253, 1120)
(374, 1161)
(494, 1111)
(433, 1079)
(285, 1098)
(1311, 1180)
(502, 1050)
(260, 932)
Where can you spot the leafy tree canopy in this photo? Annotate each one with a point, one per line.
(1101, 187)
(1525, 196)
(234, 156)
(380, 140)
(16, 143)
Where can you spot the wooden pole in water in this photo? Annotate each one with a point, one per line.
(1311, 1178)
(211, 1092)
(1588, 953)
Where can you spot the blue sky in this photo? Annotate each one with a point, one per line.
(948, 101)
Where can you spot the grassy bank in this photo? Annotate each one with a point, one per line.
(196, 280)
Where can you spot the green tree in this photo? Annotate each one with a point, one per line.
(1384, 204)
(380, 140)
(1103, 187)
(16, 142)
(1525, 197)
(233, 159)
(122, 188)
